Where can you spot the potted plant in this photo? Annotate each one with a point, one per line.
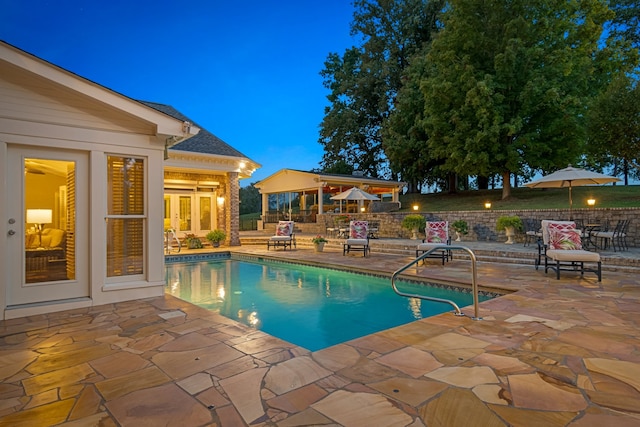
(193, 241)
(215, 237)
(318, 243)
(461, 228)
(414, 223)
(343, 218)
(509, 224)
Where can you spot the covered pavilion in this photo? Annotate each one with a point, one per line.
(300, 195)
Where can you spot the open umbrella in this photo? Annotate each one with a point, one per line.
(571, 177)
(354, 193)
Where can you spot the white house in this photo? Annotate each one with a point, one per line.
(81, 189)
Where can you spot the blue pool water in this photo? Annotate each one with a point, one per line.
(308, 306)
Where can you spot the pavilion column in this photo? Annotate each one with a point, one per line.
(320, 198)
(265, 205)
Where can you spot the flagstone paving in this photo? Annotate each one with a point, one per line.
(552, 353)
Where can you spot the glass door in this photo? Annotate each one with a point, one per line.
(178, 213)
(189, 213)
(49, 216)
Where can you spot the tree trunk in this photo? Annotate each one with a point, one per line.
(483, 182)
(453, 183)
(506, 185)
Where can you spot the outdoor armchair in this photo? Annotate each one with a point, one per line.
(358, 239)
(284, 236)
(561, 248)
(436, 234)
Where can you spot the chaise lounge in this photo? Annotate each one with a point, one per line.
(436, 234)
(284, 236)
(561, 248)
(358, 239)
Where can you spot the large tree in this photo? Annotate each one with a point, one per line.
(508, 83)
(364, 81)
(614, 127)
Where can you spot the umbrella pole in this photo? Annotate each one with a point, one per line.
(570, 203)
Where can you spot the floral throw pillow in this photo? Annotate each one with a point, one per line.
(358, 229)
(567, 239)
(283, 228)
(561, 226)
(437, 232)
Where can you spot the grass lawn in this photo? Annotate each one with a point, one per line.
(608, 196)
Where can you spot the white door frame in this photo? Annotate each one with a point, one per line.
(18, 292)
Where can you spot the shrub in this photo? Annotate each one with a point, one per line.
(216, 236)
(509, 221)
(412, 222)
(193, 241)
(460, 226)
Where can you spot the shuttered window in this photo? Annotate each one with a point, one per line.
(126, 216)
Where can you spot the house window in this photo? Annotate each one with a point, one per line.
(126, 216)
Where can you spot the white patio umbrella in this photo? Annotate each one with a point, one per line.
(571, 177)
(354, 193)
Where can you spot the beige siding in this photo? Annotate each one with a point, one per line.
(27, 97)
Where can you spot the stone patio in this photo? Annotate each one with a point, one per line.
(551, 353)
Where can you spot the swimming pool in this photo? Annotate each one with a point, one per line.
(308, 306)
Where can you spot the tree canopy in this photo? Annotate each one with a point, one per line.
(473, 87)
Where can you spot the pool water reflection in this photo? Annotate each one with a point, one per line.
(308, 306)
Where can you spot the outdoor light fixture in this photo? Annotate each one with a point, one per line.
(415, 207)
(220, 200)
(591, 202)
(39, 217)
(487, 205)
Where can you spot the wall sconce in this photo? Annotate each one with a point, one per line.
(415, 207)
(363, 209)
(487, 205)
(39, 217)
(591, 202)
(220, 200)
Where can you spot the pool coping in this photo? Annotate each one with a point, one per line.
(215, 256)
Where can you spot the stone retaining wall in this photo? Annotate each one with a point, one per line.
(482, 223)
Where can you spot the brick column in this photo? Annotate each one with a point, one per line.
(232, 223)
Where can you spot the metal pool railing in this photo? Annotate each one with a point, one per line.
(474, 281)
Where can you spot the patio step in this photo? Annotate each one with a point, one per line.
(504, 254)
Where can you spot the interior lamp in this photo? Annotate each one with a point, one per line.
(487, 205)
(39, 217)
(591, 202)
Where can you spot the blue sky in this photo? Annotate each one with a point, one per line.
(247, 71)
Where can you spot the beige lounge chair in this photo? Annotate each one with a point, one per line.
(561, 248)
(436, 234)
(284, 236)
(358, 239)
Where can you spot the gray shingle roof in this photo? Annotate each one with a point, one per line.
(204, 142)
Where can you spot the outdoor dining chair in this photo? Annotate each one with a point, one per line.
(615, 237)
(532, 231)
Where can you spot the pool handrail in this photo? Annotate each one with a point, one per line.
(474, 281)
